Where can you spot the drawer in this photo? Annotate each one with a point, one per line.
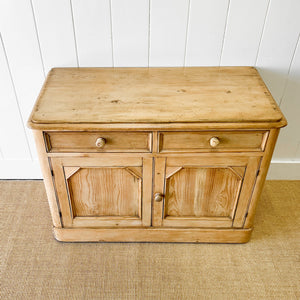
(98, 141)
(212, 141)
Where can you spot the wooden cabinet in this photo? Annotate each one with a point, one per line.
(103, 191)
(161, 154)
(202, 191)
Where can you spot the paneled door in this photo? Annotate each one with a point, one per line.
(104, 191)
(203, 191)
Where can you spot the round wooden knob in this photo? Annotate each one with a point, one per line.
(214, 142)
(100, 142)
(158, 197)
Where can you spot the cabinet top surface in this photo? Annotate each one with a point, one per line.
(154, 95)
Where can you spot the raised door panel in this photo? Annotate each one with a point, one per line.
(203, 193)
(103, 193)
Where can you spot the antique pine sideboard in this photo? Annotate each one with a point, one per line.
(154, 154)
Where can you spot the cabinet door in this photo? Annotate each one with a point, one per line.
(203, 191)
(104, 191)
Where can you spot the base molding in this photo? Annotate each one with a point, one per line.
(20, 169)
(284, 170)
(180, 235)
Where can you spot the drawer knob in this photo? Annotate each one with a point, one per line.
(214, 142)
(100, 142)
(158, 197)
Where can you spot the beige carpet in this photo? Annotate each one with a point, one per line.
(35, 266)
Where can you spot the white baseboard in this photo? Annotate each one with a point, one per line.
(20, 169)
(28, 169)
(284, 170)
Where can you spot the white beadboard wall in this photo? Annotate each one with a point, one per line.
(36, 35)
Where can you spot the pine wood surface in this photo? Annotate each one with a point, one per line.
(264, 166)
(197, 194)
(201, 192)
(157, 126)
(86, 141)
(197, 141)
(105, 192)
(48, 180)
(160, 154)
(158, 187)
(191, 235)
(154, 95)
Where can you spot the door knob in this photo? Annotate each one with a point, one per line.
(214, 142)
(158, 197)
(100, 142)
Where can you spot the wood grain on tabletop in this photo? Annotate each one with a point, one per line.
(154, 95)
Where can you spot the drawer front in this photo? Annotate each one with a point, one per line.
(212, 141)
(98, 141)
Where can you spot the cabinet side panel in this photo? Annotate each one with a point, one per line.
(39, 141)
(62, 193)
(249, 181)
(262, 176)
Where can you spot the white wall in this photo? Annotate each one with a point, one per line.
(37, 35)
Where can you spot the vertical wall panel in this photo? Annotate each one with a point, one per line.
(93, 32)
(205, 32)
(130, 27)
(243, 32)
(40, 34)
(289, 139)
(168, 28)
(22, 49)
(12, 134)
(278, 43)
(55, 29)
